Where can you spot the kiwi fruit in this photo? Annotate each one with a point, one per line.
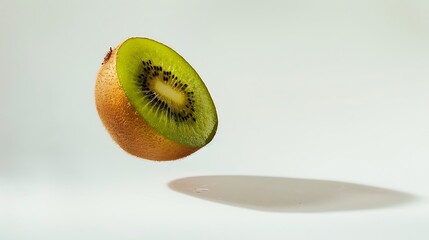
(152, 102)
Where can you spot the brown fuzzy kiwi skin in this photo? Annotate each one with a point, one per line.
(125, 125)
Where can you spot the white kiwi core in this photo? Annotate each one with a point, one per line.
(167, 92)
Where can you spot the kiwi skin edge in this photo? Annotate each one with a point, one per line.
(127, 128)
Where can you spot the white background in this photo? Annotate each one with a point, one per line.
(330, 97)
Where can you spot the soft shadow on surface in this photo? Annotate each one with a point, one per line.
(278, 194)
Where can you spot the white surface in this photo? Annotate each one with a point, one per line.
(306, 91)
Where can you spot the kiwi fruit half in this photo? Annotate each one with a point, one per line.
(152, 102)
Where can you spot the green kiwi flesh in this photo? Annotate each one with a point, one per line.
(166, 92)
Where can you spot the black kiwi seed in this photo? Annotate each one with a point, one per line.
(151, 72)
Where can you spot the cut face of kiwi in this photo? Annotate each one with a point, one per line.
(163, 91)
(166, 91)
